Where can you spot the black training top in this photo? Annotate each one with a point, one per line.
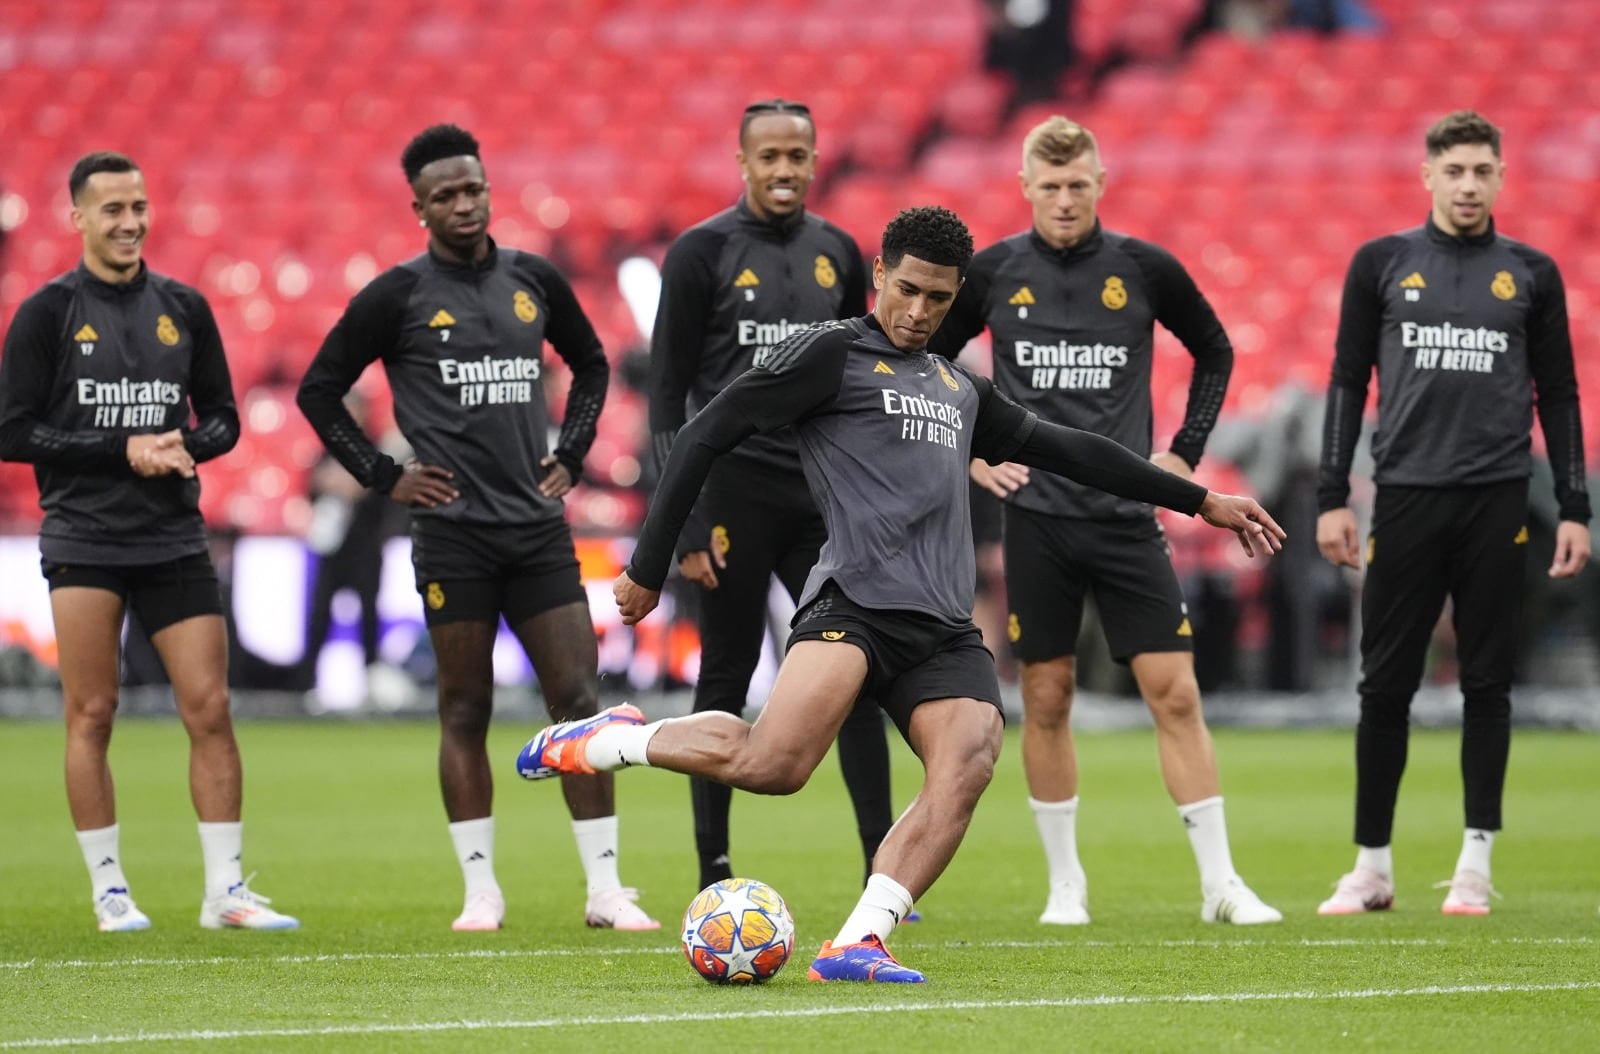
(885, 440)
(732, 288)
(1464, 332)
(1073, 332)
(88, 364)
(463, 346)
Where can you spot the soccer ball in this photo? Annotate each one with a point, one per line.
(737, 931)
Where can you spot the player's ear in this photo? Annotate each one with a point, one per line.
(880, 276)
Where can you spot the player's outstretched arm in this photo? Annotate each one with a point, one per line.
(1257, 532)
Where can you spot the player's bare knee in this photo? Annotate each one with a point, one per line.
(572, 705)
(465, 715)
(1178, 703)
(206, 713)
(91, 716)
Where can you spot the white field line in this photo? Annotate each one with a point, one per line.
(722, 1016)
(539, 953)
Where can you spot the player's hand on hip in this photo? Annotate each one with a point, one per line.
(557, 480)
(696, 567)
(1002, 480)
(1257, 531)
(1572, 549)
(1338, 538)
(633, 599)
(424, 486)
(1172, 463)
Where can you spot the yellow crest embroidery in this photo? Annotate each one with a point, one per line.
(1503, 286)
(1013, 629)
(1115, 294)
(435, 596)
(1184, 629)
(833, 634)
(826, 277)
(524, 306)
(719, 540)
(166, 331)
(949, 381)
(441, 319)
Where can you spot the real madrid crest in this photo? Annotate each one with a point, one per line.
(166, 331)
(1115, 294)
(435, 596)
(825, 273)
(524, 306)
(1503, 286)
(949, 381)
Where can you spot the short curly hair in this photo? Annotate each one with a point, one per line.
(436, 144)
(929, 233)
(1462, 128)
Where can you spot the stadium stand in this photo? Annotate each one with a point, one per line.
(270, 132)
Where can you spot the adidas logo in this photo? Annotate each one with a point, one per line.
(1480, 837)
(442, 319)
(747, 278)
(476, 855)
(1522, 536)
(1184, 629)
(607, 855)
(86, 333)
(882, 367)
(1022, 298)
(1413, 281)
(107, 862)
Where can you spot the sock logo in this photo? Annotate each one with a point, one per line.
(107, 862)
(476, 855)
(609, 854)
(1479, 836)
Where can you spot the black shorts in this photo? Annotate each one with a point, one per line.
(160, 595)
(1053, 563)
(911, 657)
(471, 573)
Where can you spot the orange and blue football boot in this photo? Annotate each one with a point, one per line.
(865, 960)
(559, 749)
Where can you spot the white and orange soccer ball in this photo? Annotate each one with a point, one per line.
(738, 931)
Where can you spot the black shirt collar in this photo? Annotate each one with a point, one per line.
(1090, 242)
(1439, 236)
(100, 287)
(780, 225)
(470, 269)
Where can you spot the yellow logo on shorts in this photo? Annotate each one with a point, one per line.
(524, 306)
(1372, 547)
(824, 273)
(1503, 286)
(1013, 629)
(435, 596)
(1522, 536)
(1115, 294)
(719, 540)
(166, 332)
(833, 634)
(1184, 629)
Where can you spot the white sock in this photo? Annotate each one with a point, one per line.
(103, 858)
(1058, 830)
(1378, 859)
(1208, 835)
(474, 841)
(882, 905)
(1475, 848)
(597, 848)
(618, 746)
(221, 846)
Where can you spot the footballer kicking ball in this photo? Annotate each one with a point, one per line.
(738, 931)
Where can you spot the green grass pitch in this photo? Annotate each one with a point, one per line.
(343, 823)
